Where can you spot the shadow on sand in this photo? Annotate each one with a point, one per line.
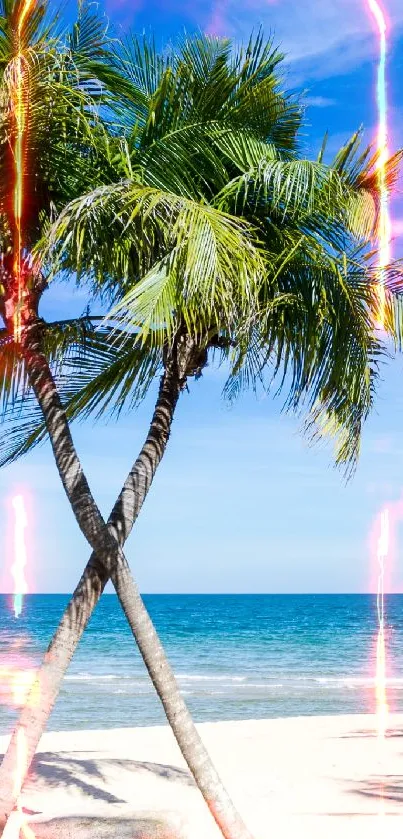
(89, 775)
(92, 777)
(365, 732)
(384, 788)
(101, 828)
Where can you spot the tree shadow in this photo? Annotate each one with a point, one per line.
(384, 788)
(62, 770)
(103, 828)
(366, 733)
(349, 814)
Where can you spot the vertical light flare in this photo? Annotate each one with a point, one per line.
(381, 697)
(19, 108)
(16, 824)
(385, 227)
(19, 119)
(20, 553)
(384, 244)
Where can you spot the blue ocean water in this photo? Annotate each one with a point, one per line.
(235, 656)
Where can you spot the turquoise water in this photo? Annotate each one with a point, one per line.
(236, 657)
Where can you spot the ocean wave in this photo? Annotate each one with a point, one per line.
(360, 681)
(196, 677)
(194, 683)
(92, 677)
(267, 685)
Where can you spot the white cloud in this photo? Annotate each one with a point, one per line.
(319, 101)
(320, 38)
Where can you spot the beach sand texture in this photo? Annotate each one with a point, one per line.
(298, 777)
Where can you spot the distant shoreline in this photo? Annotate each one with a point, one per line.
(222, 594)
(235, 657)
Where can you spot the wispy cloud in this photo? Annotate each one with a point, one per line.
(217, 25)
(319, 101)
(320, 39)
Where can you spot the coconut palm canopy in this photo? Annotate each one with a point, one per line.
(47, 102)
(175, 188)
(180, 196)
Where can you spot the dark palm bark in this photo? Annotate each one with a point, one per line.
(108, 561)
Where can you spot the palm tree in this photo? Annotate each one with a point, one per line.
(221, 240)
(50, 92)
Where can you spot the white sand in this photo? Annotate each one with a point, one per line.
(306, 777)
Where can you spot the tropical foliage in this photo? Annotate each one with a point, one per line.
(173, 187)
(196, 213)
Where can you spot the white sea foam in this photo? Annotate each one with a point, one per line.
(195, 677)
(359, 681)
(289, 680)
(92, 677)
(266, 685)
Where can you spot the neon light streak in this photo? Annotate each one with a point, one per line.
(16, 824)
(20, 554)
(19, 106)
(385, 227)
(384, 237)
(22, 681)
(19, 117)
(381, 697)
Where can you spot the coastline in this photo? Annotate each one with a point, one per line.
(296, 776)
(234, 657)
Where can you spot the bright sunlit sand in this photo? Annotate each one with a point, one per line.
(299, 777)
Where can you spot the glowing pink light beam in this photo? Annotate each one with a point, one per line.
(384, 239)
(381, 696)
(17, 827)
(20, 554)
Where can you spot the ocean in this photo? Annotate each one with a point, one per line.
(235, 657)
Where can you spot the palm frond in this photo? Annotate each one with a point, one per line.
(20, 418)
(205, 266)
(96, 372)
(184, 200)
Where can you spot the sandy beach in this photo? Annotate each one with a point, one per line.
(306, 777)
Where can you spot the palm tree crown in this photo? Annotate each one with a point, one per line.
(194, 214)
(173, 185)
(209, 224)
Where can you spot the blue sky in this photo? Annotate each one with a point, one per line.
(241, 503)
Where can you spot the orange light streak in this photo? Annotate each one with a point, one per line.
(21, 683)
(384, 238)
(20, 554)
(16, 824)
(19, 117)
(19, 106)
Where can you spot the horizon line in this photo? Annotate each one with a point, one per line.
(215, 593)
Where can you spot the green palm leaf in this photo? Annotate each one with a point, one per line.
(184, 202)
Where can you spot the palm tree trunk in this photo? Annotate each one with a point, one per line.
(108, 561)
(176, 710)
(44, 692)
